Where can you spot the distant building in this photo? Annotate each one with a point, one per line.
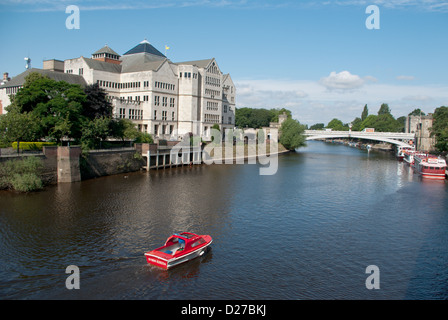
(421, 125)
(281, 118)
(143, 85)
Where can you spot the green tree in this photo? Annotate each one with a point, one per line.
(257, 117)
(365, 113)
(357, 124)
(291, 134)
(384, 109)
(401, 124)
(96, 104)
(417, 112)
(337, 125)
(57, 105)
(277, 112)
(317, 126)
(369, 122)
(94, 132)
(144, 138)
(15, 126)
(385, 123)
(440, 128)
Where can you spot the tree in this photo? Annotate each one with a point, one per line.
(440, 128)
(291, 134)
(317, 126)
(57, 106)
(94, 132)
(337, 125)
(401, 124)
(277, 112)
(417, 112)
(364, 113)
(257, 117)
(15, 126)
(369, 122)
(384, 109)
(96, 104)
(385, 123)
(357, 124)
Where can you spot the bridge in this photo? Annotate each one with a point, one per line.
(397, 138)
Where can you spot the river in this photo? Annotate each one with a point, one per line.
(307, 232)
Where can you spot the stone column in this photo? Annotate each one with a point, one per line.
(68, 164)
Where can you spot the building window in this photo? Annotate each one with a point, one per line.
(155, 114)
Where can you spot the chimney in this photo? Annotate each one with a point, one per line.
(5, 77)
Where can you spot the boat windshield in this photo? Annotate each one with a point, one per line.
(186, 235)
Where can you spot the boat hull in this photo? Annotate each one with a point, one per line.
(160, 258)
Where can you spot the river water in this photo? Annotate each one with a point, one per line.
(307, 232)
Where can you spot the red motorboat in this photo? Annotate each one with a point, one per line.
(179, 248)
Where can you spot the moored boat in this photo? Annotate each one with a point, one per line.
(179, 248)
(409, 156)
(430, 166)
(402, 149)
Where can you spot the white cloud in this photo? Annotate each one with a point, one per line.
(428, 5)
(343, 80)
(418, 98)
(409, 78)
(310, 102)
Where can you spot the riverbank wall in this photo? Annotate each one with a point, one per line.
(70, 164)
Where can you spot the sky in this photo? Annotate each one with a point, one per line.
(318, 59)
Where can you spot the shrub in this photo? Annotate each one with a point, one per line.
(26, 182)
(35, 146)
(21, 174)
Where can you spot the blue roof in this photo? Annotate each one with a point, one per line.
(145, 47)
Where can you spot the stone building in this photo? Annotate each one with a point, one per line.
(421, 125)
(163, 98)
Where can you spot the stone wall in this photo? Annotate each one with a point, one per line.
(68, 164)
(105, 163)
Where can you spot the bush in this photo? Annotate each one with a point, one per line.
(26, 182)
(21, 175)
(291, 134)
(34, 146)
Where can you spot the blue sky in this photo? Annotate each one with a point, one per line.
(316, 58)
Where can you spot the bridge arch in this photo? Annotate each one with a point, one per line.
(392, 138)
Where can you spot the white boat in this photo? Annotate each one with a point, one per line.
(430, 166)
(402, 149)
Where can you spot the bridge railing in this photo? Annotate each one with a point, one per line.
(396, 135)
